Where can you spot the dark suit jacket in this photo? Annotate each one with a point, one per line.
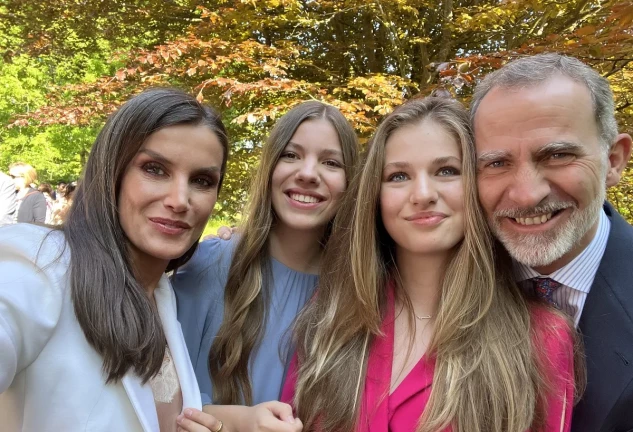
(606, 324)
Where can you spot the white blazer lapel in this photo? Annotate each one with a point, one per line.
(142, 400)
(166, 302)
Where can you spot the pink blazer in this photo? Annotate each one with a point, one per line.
(401, 410)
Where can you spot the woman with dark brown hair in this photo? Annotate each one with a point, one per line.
(89, 339)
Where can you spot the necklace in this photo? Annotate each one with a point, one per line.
(422, 317)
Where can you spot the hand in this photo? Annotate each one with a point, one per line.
(193, 420)
(270, 416)
(224, 232)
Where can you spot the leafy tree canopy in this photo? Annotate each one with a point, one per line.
(254, 59)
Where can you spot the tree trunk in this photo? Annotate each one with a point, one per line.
(446, 43)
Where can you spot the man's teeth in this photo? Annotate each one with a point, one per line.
(536, 220)
(304, 198)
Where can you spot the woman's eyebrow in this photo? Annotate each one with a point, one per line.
(398, 165)
(210, 171)
(446, 159)
(332, 152)
(155, 155)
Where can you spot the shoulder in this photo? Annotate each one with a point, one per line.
(35, 195)
(615, 268)
(212, 253)
(621, 231)
(217, 249)
(208, 266)
(40, 245)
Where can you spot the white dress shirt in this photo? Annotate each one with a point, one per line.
(577, 276)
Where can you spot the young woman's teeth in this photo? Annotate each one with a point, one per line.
(304, 198)
(536, 220)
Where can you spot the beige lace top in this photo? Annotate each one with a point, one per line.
(167, 394)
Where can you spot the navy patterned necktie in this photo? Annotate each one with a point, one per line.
(544, 289)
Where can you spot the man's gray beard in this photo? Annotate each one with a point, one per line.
(539, 250)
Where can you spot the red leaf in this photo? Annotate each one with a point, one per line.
(586, 30)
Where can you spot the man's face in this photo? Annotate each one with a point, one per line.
(541, 170)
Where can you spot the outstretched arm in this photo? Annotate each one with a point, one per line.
(30, 302)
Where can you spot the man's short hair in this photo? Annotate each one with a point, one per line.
(534, 70)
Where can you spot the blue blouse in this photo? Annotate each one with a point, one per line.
(199, 287)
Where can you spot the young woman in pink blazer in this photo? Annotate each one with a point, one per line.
(417, 324)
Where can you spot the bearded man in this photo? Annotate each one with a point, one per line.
(548, 146)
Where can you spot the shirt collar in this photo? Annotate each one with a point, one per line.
(581, 271)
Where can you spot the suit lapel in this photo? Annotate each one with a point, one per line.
(142, 400)
(141, 395)
(607, 329)
(165, 300)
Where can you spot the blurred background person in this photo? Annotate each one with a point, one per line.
(59, 189)
(8, 201)
(48, 192)
(65, 194)
(31, 204)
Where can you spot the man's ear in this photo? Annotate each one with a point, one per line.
(619, 155)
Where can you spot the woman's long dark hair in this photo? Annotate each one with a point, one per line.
(112, 308)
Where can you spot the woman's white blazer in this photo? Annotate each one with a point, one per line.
(51, 379)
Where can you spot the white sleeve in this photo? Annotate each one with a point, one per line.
(31, 299)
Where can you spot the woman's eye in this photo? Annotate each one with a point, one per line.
(397, 177)
(448, 171)
(154, 169)
(333, 163)
(289, 155)
(204, 182)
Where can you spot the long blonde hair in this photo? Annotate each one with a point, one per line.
(247, 292)
(486, 375)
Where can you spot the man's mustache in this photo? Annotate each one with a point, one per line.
(548, 207)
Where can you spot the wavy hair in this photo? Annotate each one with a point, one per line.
(486, 375)
(247, 289)
(113, 310)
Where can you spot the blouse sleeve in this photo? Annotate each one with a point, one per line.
(557, 348)
(199, 288)
(31, 298)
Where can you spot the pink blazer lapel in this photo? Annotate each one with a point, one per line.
(374, 410)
